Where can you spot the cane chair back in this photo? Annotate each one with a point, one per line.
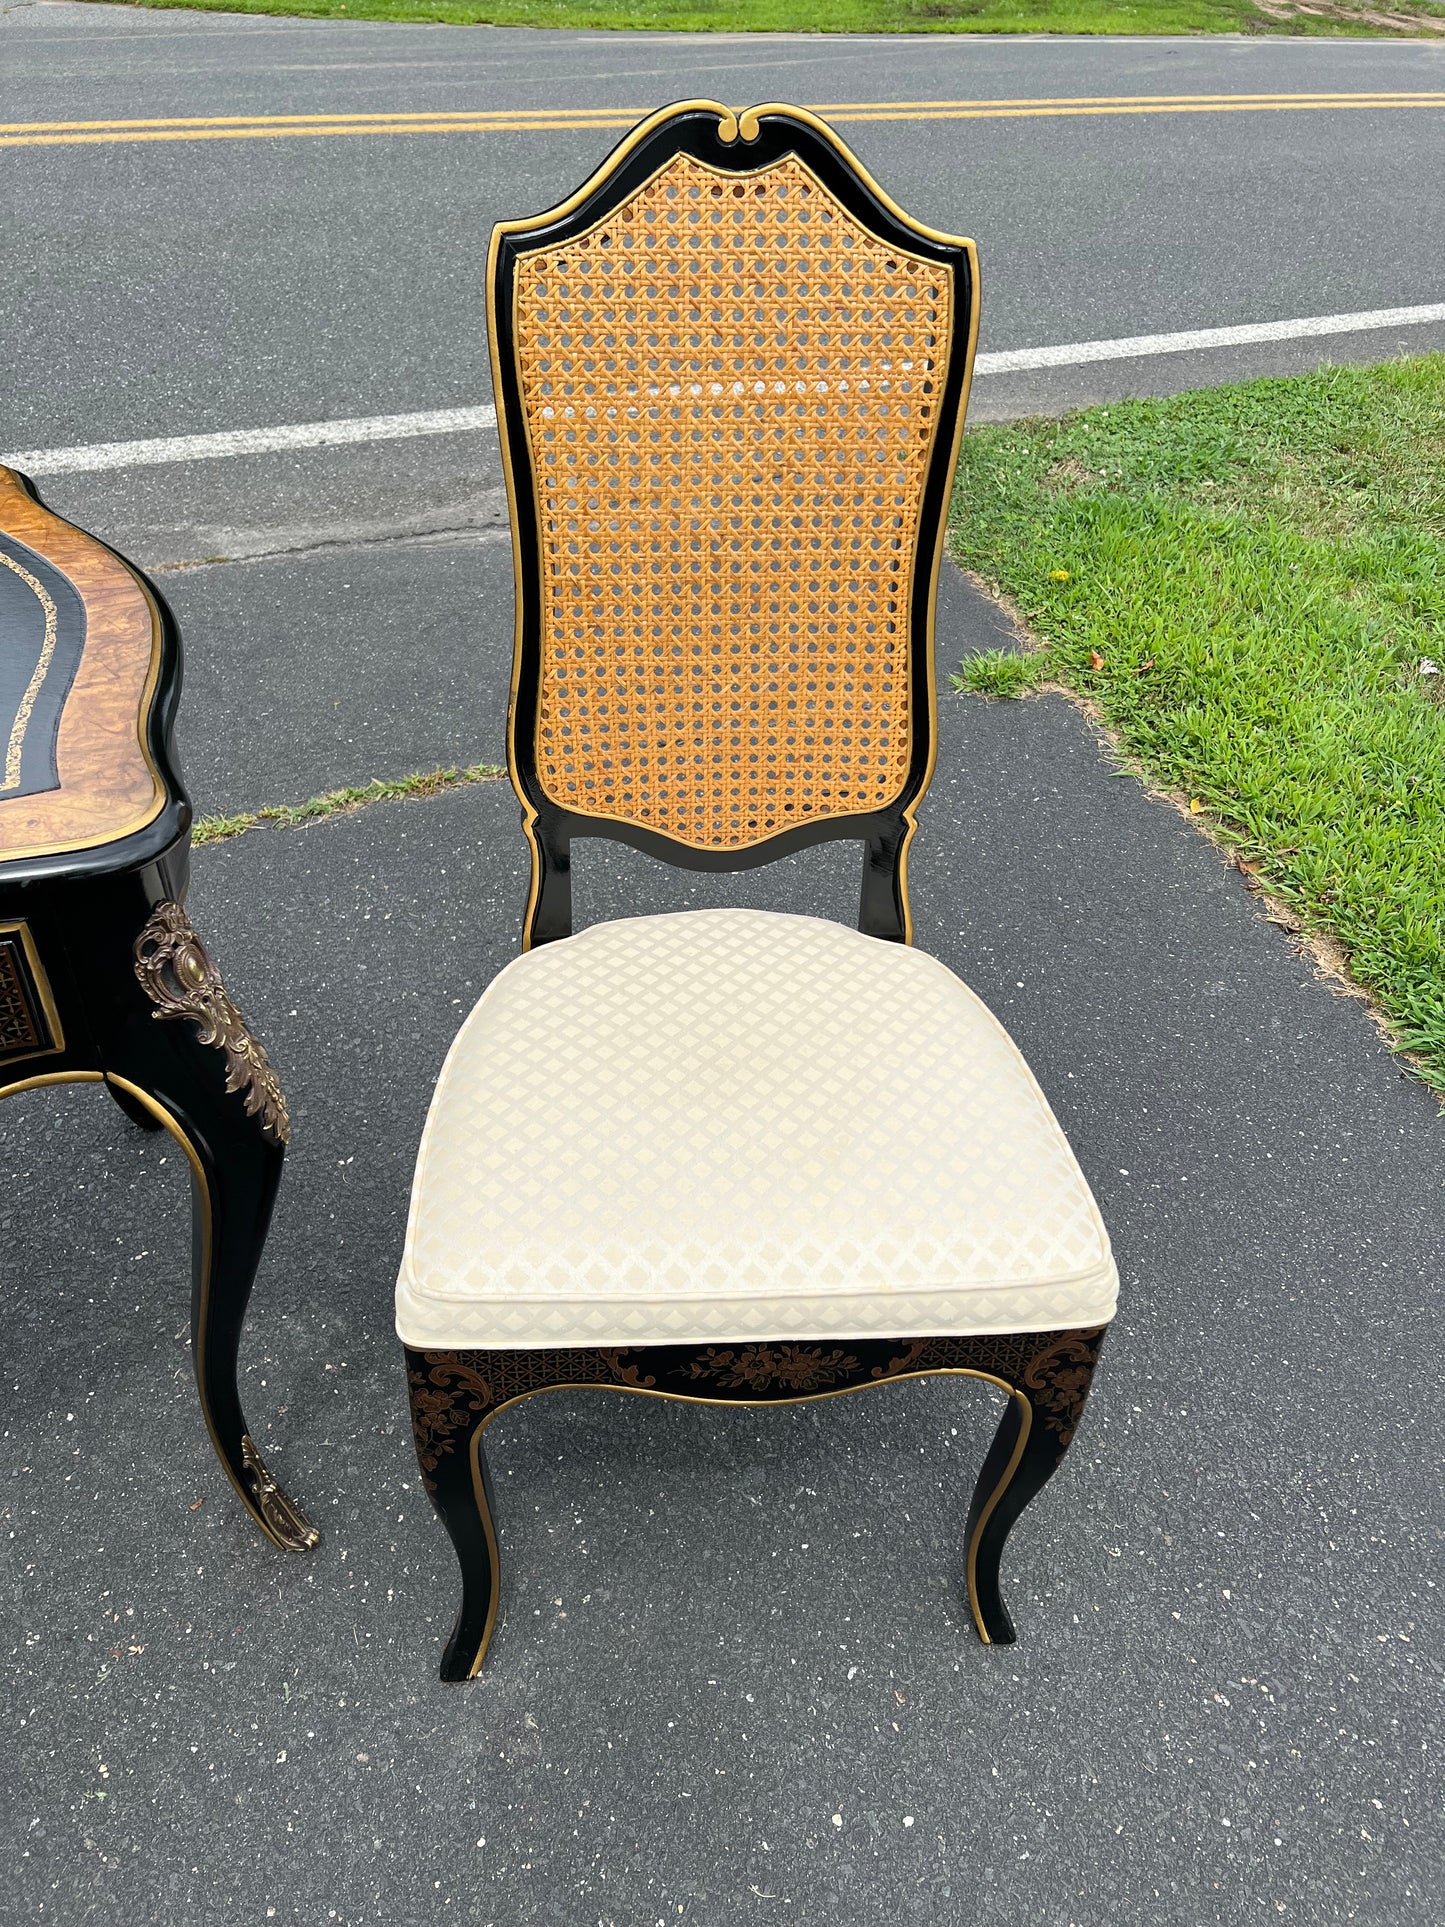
(731, 379)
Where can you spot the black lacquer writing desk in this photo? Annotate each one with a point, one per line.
(102, 977)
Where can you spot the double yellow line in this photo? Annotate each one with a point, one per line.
(543, 120)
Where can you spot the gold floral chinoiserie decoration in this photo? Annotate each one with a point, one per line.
(180, 979)
(797, 1368)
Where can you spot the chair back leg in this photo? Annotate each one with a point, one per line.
(883, 898)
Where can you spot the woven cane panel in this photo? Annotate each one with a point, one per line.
(731, 390)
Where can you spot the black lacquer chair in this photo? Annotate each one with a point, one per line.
(734, 1156)
(102, 978)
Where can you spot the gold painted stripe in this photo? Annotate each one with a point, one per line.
(559, 120)
(51, 1077)
(15, 749)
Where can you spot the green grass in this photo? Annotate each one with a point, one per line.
(999, 673)
(1248, 585)
(880, 16)
(220, 829)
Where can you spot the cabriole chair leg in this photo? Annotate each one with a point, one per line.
(448, 1424)
(1029, 1446)
(463, 1499)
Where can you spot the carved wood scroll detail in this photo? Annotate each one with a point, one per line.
(180, 979)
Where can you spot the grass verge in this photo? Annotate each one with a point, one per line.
(220, 829)
(1247, 585)
(1314, 17)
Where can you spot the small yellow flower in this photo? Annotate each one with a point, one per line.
(1058, 575)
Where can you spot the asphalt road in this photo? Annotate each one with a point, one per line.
(1224, 1707)
(721, 1630)
(196, 286)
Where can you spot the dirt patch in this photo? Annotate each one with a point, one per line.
(1070, 473)
(1366, 16)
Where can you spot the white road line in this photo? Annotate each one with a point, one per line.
(1129, 347)
(452, 421)
(250, 441)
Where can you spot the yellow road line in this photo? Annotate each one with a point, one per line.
(559, 120)
(612, 113)
(1130, 100)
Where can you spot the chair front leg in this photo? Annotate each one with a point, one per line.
(450, 1404)
(1048, 1394)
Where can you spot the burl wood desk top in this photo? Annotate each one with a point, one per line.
(80, 666)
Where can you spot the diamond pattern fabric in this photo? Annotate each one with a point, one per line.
(742, 1126)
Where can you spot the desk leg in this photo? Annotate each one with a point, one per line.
(201, 1075)
(134, 1109)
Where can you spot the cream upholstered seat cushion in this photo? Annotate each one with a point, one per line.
(738, 1125)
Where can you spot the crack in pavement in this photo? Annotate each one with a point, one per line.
(342, 802)
(443, 536)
